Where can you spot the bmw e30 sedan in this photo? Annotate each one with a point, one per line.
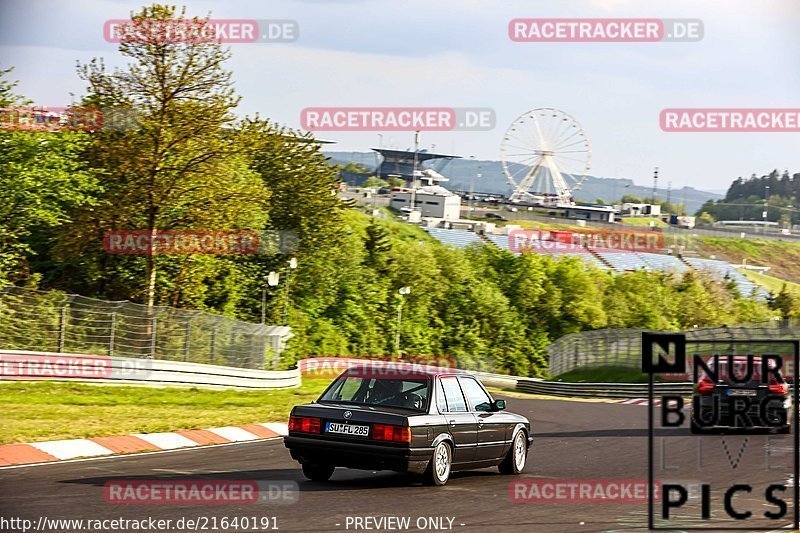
(428, 422)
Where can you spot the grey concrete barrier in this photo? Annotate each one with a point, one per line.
(37, 366)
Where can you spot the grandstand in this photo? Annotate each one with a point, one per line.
(615, 260)
(457, 238)
(725, 270)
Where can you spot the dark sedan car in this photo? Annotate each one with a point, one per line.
(755, 400)
(427, 422)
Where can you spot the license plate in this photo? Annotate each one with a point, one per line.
(347, 429)
(741, 392)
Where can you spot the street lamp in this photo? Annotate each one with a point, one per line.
(272, 280)
(764, 212)
(402, 291)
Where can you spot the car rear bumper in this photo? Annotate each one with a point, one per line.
(360, 455)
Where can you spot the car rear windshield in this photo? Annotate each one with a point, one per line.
(390, 392)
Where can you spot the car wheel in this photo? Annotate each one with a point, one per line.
(514, 461)
(438, 471)
(318, 472)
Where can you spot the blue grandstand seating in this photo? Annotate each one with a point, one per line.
(458, 238)
(723, 269)
(619, 261)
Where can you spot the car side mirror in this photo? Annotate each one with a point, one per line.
(498, 405)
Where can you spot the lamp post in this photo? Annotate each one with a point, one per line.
(272, 280)
(379, 157)
(292, 266)
(402, 291)
(764, 212)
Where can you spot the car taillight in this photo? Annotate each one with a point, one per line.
(777, 388)
(391, 433)
(705, 385)
(304, 424)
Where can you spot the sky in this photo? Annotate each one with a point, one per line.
(443, 53)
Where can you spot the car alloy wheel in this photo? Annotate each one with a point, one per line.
(439, 469)
(520, 453)
(514, 462)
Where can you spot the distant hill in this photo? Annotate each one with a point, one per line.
(462, 172)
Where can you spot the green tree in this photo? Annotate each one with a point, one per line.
(42, 178)
(374, 181)
(183, 166)
(786, 302)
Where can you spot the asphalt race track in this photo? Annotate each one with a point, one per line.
(573, 441)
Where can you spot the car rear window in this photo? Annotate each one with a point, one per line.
(390, 392)
(452, 393)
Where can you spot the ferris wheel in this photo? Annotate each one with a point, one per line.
(546, 155)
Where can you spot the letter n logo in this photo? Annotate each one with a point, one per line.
(663, 353)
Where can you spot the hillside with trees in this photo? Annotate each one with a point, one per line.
(776, 193)
(188, 163)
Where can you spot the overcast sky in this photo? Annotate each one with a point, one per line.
(457, 53)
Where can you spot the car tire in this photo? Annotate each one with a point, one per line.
(318, 472)
(514, 461)
(438, 471)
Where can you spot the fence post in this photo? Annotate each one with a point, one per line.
(186, 341)
(111, 333)
(154, 337)
(62, 323)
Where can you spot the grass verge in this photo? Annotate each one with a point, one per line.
(772, 284)
(40, 411)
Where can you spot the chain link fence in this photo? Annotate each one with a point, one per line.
(52, 321)
(622, 348)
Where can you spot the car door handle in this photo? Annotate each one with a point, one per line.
(452, 422)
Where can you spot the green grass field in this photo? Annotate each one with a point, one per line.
(644, 222)
(772, 284)
(43, 411)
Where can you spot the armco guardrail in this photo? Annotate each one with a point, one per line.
(600, 390)
(18, 365)
(27, 365)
